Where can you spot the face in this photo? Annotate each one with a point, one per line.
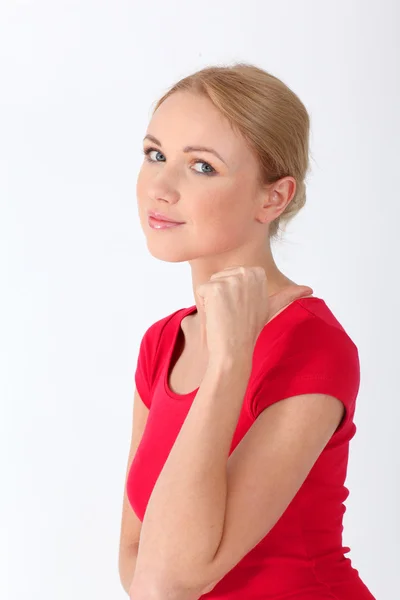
(217, 197)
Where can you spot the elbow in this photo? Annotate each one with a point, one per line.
(126, 566)
(146, 588)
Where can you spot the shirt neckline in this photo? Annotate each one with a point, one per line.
(181, 314)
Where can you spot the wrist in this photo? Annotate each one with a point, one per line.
(229, 363)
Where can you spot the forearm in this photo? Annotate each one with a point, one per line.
(184, 519)
(127, 565)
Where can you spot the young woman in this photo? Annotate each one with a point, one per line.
(244, 402)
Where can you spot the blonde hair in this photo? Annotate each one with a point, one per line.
(268, 115)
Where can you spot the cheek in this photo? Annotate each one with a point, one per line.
(226, 206)
(222, 217)
(141, 186)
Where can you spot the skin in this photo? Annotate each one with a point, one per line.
(226, 215)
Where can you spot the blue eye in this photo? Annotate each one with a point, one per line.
(148, 151)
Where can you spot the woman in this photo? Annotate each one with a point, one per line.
(244, 402)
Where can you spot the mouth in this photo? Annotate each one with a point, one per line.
(160, 221)
(162, 224)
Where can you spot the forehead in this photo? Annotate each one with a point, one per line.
(185, 119)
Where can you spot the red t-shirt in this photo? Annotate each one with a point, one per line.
(302, 350)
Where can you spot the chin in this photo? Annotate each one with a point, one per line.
(172, 255)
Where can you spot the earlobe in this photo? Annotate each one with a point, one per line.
(266, 206)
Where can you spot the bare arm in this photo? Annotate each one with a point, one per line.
(206, 511)
(127, 565)
(130, 522)
(188, 501)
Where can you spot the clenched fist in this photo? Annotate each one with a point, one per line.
(237, 306)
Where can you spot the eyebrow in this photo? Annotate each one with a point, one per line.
(187, 148)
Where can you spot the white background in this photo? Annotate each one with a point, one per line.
(79, 287)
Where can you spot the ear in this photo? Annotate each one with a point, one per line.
(275, 197)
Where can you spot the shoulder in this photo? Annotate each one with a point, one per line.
(153, 333)
(307, 324)
(151, 345)
(318, 331)
(306, 351)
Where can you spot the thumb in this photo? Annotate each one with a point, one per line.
(281, 299)
(294, 292)
(299, 291)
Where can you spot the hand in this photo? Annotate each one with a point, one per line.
(237, 306)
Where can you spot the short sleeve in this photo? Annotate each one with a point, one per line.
(144, 366)
(315, 358)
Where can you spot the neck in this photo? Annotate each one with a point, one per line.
(203, 268)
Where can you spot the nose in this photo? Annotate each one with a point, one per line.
(163, 196)
(161, 190)
(163, 182)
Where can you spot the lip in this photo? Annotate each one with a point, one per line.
(158, 224)
(156, 216)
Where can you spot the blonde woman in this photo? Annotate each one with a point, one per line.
(244, 402)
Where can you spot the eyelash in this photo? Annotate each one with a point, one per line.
(147, 151)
